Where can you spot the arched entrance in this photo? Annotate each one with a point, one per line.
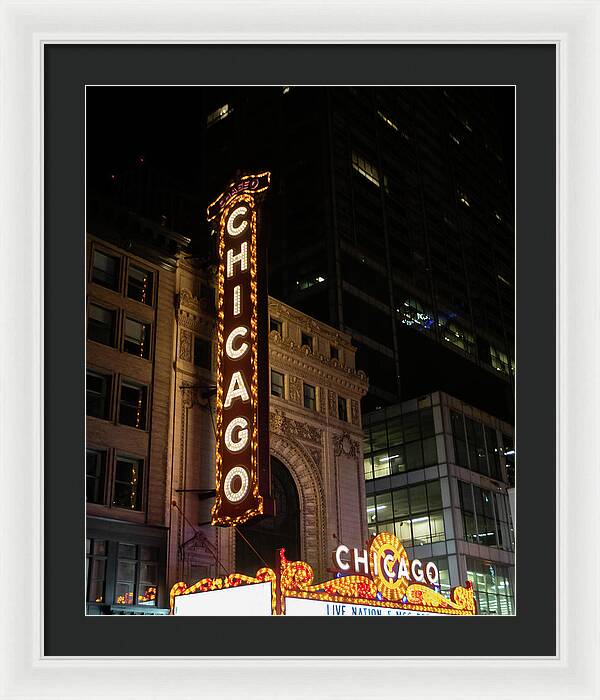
(270, 534)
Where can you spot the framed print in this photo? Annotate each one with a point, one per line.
(301, 295)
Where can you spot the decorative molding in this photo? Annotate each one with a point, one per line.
(204, 325)
(187, 299)
(283, 311)
(317, 454)
(355, 412)
(295, 389)
(304, 351)
(185, 345)
(305, 473)
(192, 396)
(344, 445)
(317, 373)
(298, 430)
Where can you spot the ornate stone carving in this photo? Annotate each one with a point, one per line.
(192, 396)
(185, 345)
(304, 351)
(316, 454)
(332, 404)
(355, 412)
(198, 324)
(296, 429)
(295, 389)
(313, 512)
(344, 445)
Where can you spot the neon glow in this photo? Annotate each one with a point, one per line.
(242, 482)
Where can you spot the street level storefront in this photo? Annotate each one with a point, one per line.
(378, 581)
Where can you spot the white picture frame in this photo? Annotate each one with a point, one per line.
(574, 27)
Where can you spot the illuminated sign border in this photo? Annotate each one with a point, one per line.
(294, 579)
(255, 479)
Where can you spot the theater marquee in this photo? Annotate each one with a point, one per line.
(243, 476)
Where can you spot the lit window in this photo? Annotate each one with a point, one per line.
(499, 360)
(139, 285)
(136, 575)
(365, 168)
(218, 114)
(137, 338)
(457, 336)
(310, 397)
(415, 315)
(132, 406)
(277, 384)
(105, 270)
(387, 120)
(308, 282)
(96, 570)
(128, 483)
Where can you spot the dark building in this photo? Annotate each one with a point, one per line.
(391, 218)
(439, 476)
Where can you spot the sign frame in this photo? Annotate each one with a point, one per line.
(242, 454)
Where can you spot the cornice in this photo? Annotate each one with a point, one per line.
(339, 338)
(301, 360)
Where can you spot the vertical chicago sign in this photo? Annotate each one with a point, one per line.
(243, 472)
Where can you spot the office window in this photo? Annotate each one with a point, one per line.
(342, 406)
(137, 338)
(387, 120)
(96, 555)
(95, 471)
(105, 270)
(202, 353)
(486, 519)
(492, 587)
(101, 325)
(132, 405)
(310, 397)
(140, 285)
(275, 325)
(97, 395)
(509, 454)
(137, 575)
(307, 340)
(334, 353)
(414, 514)
(460, 443)
(127, 491)
(218, 114)
(365, 168)
(277, 384)
(499, 360)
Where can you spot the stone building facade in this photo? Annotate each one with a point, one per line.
(315, 434)
(151, 430)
